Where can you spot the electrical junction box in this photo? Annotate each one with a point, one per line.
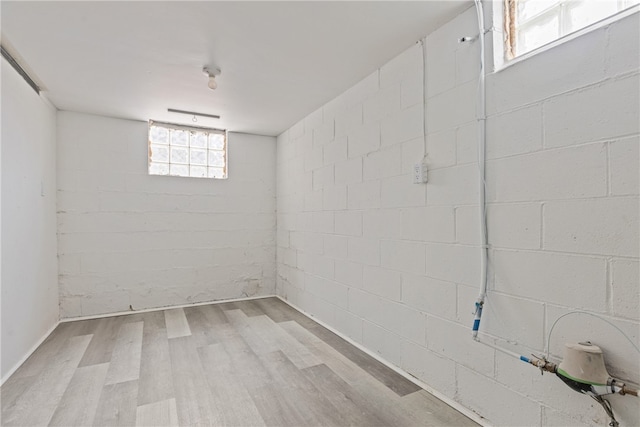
(420, 173)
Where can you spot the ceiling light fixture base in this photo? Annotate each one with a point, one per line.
(212, 72)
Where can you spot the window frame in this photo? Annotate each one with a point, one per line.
(509, 27)
(191, 129)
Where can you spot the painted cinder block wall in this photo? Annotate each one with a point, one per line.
(129, 239)
(29, 268)
(395, 266)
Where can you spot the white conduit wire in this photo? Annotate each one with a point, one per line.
(482, 130)
(482, 142)
(481, 164)
(423, 48)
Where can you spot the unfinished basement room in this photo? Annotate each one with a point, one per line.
(320, 213)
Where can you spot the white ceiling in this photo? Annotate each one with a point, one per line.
(279, 60)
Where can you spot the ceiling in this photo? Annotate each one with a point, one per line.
(279, 60)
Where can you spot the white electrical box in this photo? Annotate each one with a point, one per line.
(420, 173)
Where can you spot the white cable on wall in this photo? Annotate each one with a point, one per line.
(482, 117)
(423, 46)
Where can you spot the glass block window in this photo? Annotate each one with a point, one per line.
(531, 24)
(187, 151)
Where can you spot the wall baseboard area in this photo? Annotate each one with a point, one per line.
(101, 316)
(470, 414)
(168, 307)
(455, 405)
(29, 353)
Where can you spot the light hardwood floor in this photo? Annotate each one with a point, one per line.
(246, 363)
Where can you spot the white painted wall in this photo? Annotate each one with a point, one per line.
(28, 267)
(129, 239)
(395, 266)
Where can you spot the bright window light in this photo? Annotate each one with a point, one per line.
(534, 23)
(187, 151)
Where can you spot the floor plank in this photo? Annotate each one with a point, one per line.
(156, 381)
(425, 408)
(279, 311)
(36, 406)
(274, 409)
(80, 401)
(224, 306)
(105, 333)
(192, 393)
(258, 343)
(388, 404)
(126, 356)
(279, 339)
(301, 395)
(158, 414)
(250, 308)
(232, 405)
(200, 326)
(117, 405)
(346, 400)
(177, 325)
(384, 374)
(215, 314)
(12, 389)
(41, 359)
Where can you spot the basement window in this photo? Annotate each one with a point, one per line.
(178, 150)
(530, 24)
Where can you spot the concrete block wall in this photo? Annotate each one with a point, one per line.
(127, 239)
(395, 266)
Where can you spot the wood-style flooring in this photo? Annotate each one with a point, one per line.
(247, 363)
